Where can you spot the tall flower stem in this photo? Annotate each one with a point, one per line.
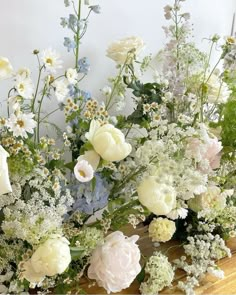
(39, 111)
(78, 35)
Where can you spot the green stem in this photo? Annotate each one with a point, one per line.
(78, 36)
(37, 87)
(49, 114)
(9, 94)
(39, 111)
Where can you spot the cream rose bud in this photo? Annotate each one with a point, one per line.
(161, 229)
(159, 198)
(115, 264)
(118, 51)
(5, 185)
(52, 257)
(91, 157)
(108, 141)
(5, 68)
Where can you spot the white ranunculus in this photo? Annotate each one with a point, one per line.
(118, 51)
(108, 141)
(115, 264)
(5, 185)
(52, 257)
(159, 198)
(5, 68)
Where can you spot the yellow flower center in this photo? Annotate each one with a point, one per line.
(20, 123)
(49, 61)
(82, 173)
(3, 63)
(21, 87)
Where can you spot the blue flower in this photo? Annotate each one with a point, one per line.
(69, 44)
(86, 95)
(73, 20)
(89, 200)
(67, 3)
(95, 8)
(64, 22)
(84, 65)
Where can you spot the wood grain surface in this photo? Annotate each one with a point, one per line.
(209, 285)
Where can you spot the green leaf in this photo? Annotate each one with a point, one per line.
(141, 276)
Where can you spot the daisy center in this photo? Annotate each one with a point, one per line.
(49, 61)
(20, 123)
(21, 87)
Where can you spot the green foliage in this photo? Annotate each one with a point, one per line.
(20, 165)
(228, 124)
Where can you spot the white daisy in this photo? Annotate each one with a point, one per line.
(24, 87)
(21, 124)
(72, 76)
(61, 90)
(51, 60)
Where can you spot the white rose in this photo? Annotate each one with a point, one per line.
(5, 186)
(108, 141)
(159, 198)
(52, 257)
(115, 264)
(212, 199)
(31, 275)
(118, 51)
(5, 68)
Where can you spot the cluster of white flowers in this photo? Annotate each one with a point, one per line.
(37, 211)
(161, 274)
(204, 251)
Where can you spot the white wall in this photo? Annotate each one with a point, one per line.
(29, 24)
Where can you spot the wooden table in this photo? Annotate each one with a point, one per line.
(210, 285)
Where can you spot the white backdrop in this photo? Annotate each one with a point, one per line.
(29, 24)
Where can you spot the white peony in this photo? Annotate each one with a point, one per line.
(159, 198)
(5, 68)
(108, 141)
(52, 257)
(115, 264)
(161, 229)
(118, 51)
(5, 186)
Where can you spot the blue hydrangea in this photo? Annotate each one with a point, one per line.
(95, 8)
(83, 65)
(69, 44)
(89, 200)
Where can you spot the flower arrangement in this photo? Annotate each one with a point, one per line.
(170, 164)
